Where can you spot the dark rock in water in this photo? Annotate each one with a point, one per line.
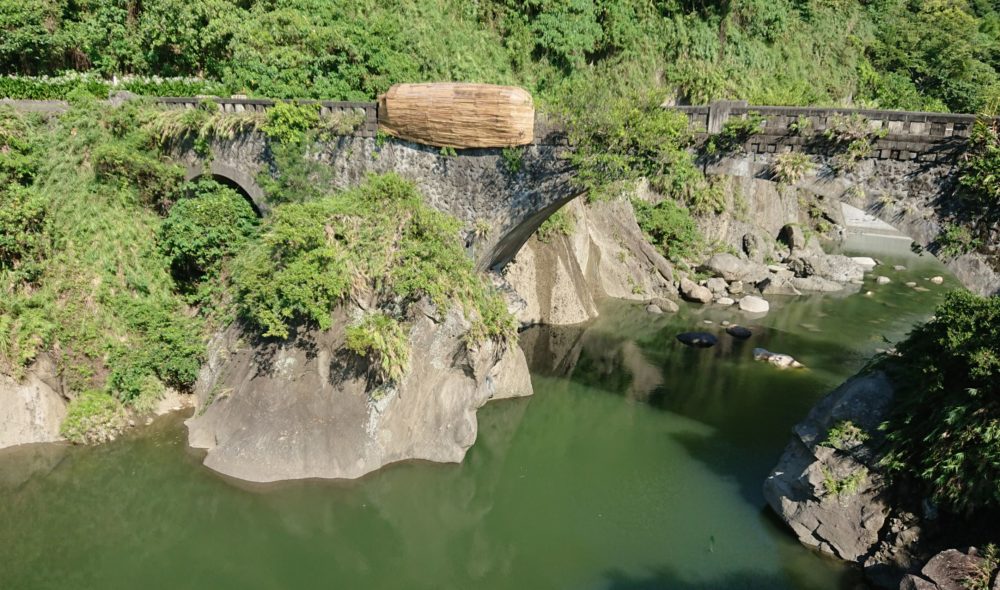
(739, 332)
(697, 339)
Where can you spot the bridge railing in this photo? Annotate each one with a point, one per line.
(326, 107)
(907, 135)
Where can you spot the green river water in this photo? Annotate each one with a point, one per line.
(638, 463)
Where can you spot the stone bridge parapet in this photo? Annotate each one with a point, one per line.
(924, 137)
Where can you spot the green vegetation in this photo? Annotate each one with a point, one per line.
(85, 192)
(944, 432)
(210, 225)
(845, 435)
(93, 417)
(791, 167)
(981, 578)
(912, 54)
(734, 134)
(561, 222)
(955, 240)
(979, 192)
(670, 228)
(844, 486)
(373, 242)
(853, 137)
(24, 213)
(383, 340)
(513, 159)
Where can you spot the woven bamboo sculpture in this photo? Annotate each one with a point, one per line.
(458, 115)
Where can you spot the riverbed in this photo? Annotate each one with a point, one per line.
(638, 463)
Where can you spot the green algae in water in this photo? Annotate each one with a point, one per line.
(637, 464)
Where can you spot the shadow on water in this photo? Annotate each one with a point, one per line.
(749, 406)
(668, 579)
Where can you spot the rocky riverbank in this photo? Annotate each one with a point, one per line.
(831, 490)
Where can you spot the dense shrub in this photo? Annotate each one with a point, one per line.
(979, 175)
(734, 134)
(945, 429)
(24, 212)
(375, 240)
(156, 182)
(629, 138)
(93, 417)
(24, 233)
(211, 224)
(669, 227)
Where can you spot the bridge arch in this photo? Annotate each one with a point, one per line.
(234, 178)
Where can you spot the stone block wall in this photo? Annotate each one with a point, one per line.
(907, 135)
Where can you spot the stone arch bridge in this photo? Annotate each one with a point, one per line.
(907, 180)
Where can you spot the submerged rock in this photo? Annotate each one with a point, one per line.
(739, 332)
(782, 361)
(665, 305)
(865, 262)
(881, 280)
(725, 301)
(817, 284)
(653, 309)
(697, 339)
(754, 304)
(306, 408)
(937, 280)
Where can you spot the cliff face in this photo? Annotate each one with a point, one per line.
(304, 408)
(605, 255)
(31, 409)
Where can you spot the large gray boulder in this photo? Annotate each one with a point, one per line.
(754, 304)
(692, 291)
(31, 410)
(816, 284)
(304, 408)
(828, 491)
(834, 267)
(731, 268)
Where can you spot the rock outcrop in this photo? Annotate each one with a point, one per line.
(304, 407)
(31, 409)
(824, 486)
(953, 570)
(605, 255)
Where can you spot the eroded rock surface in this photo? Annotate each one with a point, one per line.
(824, 489)
(605, 255)
(31, 410)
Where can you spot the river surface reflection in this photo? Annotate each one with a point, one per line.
(637, 464)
